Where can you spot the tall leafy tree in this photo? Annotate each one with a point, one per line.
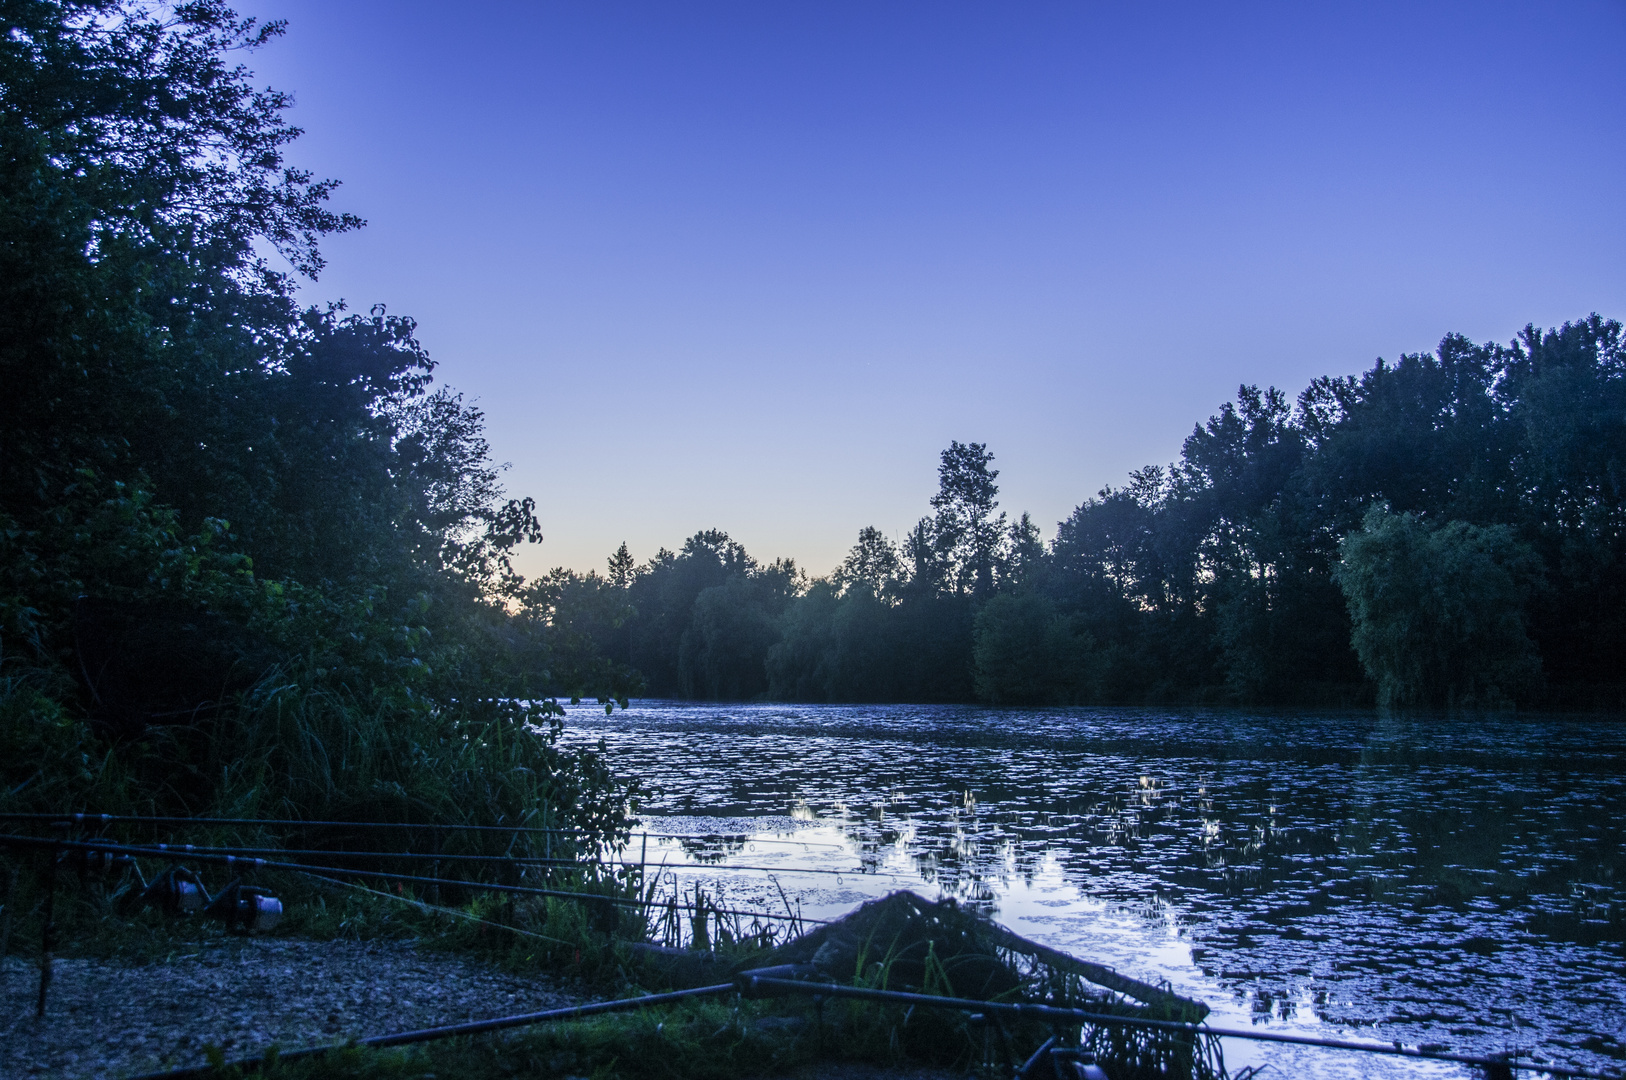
(967, 533)
(1563, 392)
(1439, 613)
(872, 566)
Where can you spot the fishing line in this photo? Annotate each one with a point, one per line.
(296, 823)
(429, 856)
(293, 823)
(234, 861)
(425, 906)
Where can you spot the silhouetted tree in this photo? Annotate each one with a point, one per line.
(622, 567)
(1253, 569)
(966, 533)
(872, 565)
(1439, 612)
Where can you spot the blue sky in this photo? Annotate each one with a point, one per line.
(752, 266)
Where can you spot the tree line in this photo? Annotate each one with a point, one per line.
(1443, 530)
(321, 531)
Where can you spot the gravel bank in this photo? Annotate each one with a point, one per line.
(106, 1019)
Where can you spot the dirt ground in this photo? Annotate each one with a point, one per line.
(110, 1019)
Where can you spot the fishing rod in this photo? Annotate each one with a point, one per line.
(473, 1027)
(429, 856)
(299, 823)
(234, 862)
(759, 984)
(294, 823)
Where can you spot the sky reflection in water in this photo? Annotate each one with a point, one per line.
(1449, 882)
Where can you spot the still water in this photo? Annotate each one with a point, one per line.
(1456, 883)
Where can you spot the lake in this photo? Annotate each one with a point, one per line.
(1450, 882)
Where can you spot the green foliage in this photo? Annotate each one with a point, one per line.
(723, 652)
(729, 1039)
(1026, 653)
(873, 566)
(707, 1039)
(54, 759)
(967, 537)
(1438, 613)
(728, 1036)
(177, 437)
(1215, 577)
(853, 646)
(889, 625)
(701, 621)
(582, 621)
(1020, 643)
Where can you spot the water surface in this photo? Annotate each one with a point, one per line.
(1448, 882)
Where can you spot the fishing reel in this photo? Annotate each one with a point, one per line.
(1053, 1061)
(245, 909)
(90, 863)
(177, 891)
(242, 908)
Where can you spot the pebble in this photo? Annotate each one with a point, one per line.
(108, 1019)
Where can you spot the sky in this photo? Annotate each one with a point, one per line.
(752, 266)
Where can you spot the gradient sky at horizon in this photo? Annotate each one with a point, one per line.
(752, 266)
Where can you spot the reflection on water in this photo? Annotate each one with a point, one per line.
(1457, 883)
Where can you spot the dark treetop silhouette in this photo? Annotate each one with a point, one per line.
(1446, 530)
